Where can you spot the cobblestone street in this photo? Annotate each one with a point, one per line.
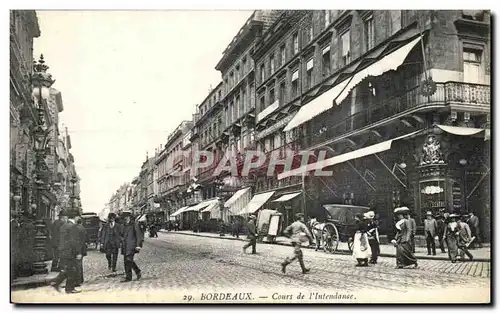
(176, 267)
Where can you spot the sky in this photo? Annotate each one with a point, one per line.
(127, 80)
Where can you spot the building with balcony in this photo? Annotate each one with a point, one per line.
(398, 100)
(171, 162)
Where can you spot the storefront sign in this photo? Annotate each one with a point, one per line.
(273, 128)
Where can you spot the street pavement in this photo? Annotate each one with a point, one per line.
(186, 269)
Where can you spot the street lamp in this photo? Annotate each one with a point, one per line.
(41, 81)
(463, 162)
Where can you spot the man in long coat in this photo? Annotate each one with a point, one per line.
(82, 233)
(70, 254)
(430, 229)
(111, 240)
(132, 239)
(473, 223)
(252, 235)
(56, 237)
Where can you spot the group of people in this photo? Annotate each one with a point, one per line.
(129, 236)
(69, 246)
(366, 242)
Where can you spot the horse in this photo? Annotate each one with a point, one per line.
(317, 230)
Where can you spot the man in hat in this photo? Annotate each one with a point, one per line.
(299, 233)
(132, 239)
(441, 225)
(70, 253)
(473, 223)
(82, 233)
(110, 240)
(252, 235)
(430, 229)
(56, 238)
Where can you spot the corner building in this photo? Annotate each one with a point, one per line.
(398, 100)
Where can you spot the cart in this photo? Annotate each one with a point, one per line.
(340, 225)
(268, 223)
(91, 223)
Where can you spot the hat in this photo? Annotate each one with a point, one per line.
(63, 213)
(252, 217)
(299, 215)
(454, 215)
(369, 215)
(127, 212)
(428, 213)
(402, 210)
(111, 215)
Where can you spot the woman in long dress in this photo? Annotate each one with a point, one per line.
(451, 236)
(361, 250)
(402, 241)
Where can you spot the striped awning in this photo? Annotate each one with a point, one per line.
(179, 211)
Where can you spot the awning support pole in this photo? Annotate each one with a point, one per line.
(479, 182)
(357, 172)
(385, 165)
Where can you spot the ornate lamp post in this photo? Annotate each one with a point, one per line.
(73, 196)
(41, 81)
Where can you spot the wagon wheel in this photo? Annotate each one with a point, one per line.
(330, 238)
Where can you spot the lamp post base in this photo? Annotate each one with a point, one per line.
(40, 249)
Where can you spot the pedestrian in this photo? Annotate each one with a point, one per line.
(430, 229)
(361, 250)
(222, 228)
(473, 223)
(451, 235)
(69, 253)
(55, 238)
(252, 235)
(299, 234)
(402, 241)
(132, 239)
(373, 236)
(110, 239)
(413, 229)
(464, 239)
(441, 226)
(83, 244)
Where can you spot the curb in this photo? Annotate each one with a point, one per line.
(33, 284)
(340, 251)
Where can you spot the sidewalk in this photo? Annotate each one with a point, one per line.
(480, 254)
(33, 280)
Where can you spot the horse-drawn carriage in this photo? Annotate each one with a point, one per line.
(339, 226)
(91, 223)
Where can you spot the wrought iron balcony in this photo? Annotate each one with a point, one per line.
(328, 126)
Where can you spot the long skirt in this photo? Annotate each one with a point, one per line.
(404, 254)
(360, 248)
(451, 242)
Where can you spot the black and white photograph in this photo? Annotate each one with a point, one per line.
(250, 156)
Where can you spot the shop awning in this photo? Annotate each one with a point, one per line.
(236, 196)
(179, 211)
(200, 206)
(212, 205)
(376, 148)
(340, 91)
(390, 62)
(462, 131)
(256, 203)
(287, 197)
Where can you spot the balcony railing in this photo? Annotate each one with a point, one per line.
(455, 93)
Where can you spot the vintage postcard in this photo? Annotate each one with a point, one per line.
(265, 156)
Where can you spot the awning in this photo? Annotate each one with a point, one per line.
(201, 205)
(179, 211)
(287, 197)
(256, 203)
(376, 148)
(317, 106)
(390, 62)
(461, 131)
(340, 91)
(236, 196)
(270, 109)
(214, 204)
